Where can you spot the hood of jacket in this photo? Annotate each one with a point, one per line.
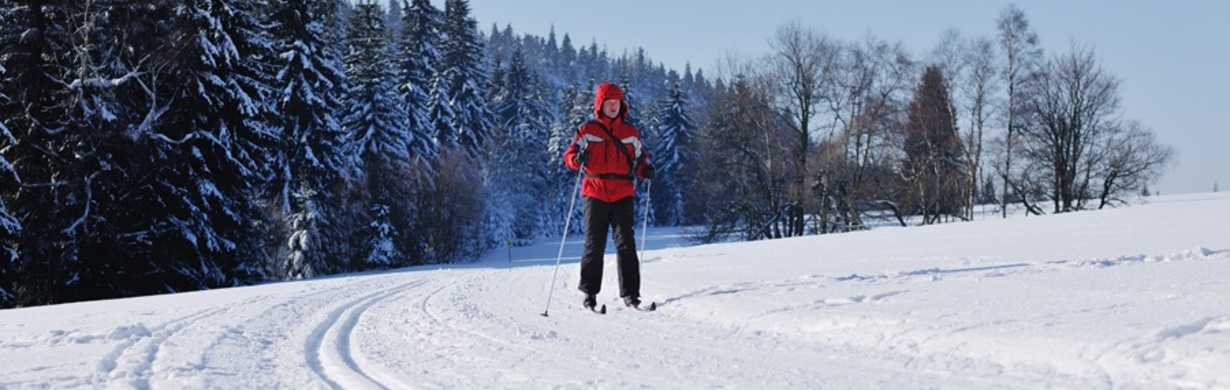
(608, 90)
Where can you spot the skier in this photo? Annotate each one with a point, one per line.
(612, 156)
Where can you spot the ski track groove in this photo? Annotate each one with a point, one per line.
(614, 342)
(133, 360)
(711, 339)
(708, 337)
(474, 303)
(272, 343)
(904, 279)
(328, 348)
(438, 318)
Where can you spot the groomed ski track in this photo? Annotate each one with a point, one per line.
(473, 328)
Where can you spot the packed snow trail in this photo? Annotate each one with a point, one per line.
(1132, 298)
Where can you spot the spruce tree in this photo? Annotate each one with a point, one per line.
(134, 192)
(52, 204)
(393, 17)
(575, 109)
(518, 98)
(190, 220)
(419, 59)
(463, 79)
(671, 154)
(518, 163)
(933, 152)
(316, 165)
(567, 62)
(10, 228)
(375, 119)
(440, 113)
(632, 99)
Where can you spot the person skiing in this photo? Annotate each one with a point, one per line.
(610, 152)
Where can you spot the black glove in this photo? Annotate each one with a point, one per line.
(580, 156)
(647, 172)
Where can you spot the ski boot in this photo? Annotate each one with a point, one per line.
(633, 302)
(591, 303)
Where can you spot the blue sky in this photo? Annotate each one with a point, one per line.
(1173, 57)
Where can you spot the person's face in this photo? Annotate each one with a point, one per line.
(610, 108)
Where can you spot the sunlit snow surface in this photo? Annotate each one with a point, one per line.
(1131, 298)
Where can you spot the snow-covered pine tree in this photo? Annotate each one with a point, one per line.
(393, 18)
(595, 64)
(199, 221)
(518, 100)
(576, 109)
(671, 147)
(573, 111)
(551, 55)
(9, 227)
(419, 59)
(499, 44)
(499, 176)
(567, 61)
(440, 107)
(499, 219)
(310, 81)
(688, 80)
(51, 149)
(695, 87)
(463, 77)
(518, 164)
(112, 183)
(632, 97)
(375, 118)
(440, 111)
(333, 16)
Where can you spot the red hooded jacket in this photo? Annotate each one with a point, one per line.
(608, 175)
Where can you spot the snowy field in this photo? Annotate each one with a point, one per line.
(1129, 298)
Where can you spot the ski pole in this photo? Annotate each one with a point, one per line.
(645, 224)
(571, 205)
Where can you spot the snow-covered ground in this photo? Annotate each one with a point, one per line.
(1129, 298)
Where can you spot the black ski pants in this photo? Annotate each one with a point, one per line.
(601, 217)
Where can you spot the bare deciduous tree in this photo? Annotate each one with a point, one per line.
(969, 68)
(1075, 104)
(802, 57)
(865, 98)
(1130, 159)
(978, 89)
(1021, 52)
